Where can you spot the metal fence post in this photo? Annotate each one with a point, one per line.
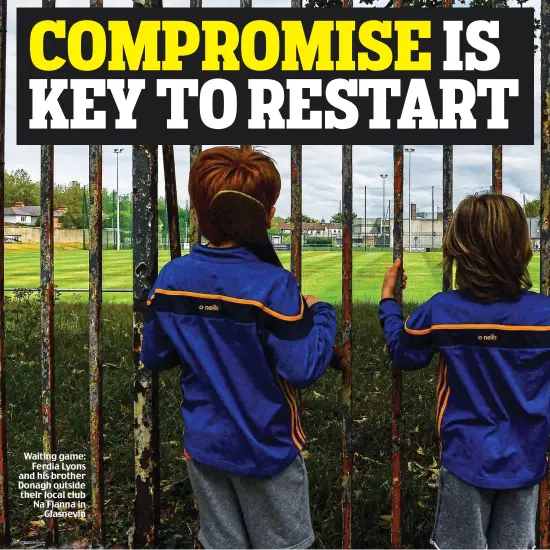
(47, 307)
(397, 382)
(544, 216)
(146, 427)
(96, 363)
(347, 358)
(171, 198)
(496, 178)
(4, 510)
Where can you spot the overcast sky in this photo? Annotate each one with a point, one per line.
(321, 164)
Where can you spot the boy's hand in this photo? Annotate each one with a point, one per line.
(311, 300)
(390, 280)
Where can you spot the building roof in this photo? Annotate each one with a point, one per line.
(33, 211)
(309, 226)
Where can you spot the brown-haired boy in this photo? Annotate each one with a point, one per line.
(245, 338)
(493, 394)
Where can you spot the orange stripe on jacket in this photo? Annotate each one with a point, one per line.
(421, 332)
(292, 419)
(292, 395)
(232, 300)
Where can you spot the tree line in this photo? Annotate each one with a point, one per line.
(20, 187)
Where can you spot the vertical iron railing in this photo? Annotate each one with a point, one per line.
(47, 308)
(4, 512)
(347, 277)
(397, 381)
(171, 198)
(194, 229)
(146, 399)
(496, 150)
(296, 212)
(296, 201)
(145, 267)
(194, 150)
(95, 218)
(544, 215)
(96, 363)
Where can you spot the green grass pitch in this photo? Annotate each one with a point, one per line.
(322, 272)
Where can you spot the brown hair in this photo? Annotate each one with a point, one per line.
(230, 168)
(489, 242)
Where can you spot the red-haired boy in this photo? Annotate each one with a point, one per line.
(245, 338)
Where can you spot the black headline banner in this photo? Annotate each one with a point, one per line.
(275, 76)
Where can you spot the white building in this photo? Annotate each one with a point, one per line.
(28, 215)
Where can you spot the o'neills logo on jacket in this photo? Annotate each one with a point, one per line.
(209, 308)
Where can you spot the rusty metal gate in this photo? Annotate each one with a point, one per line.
(145, 269)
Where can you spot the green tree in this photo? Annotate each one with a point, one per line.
(339, 217)
(532, 209)
(70, 195)
(21, 188)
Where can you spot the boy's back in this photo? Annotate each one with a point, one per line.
(493, 391)
(245, 338)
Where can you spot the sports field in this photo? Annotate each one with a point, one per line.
(322, 272)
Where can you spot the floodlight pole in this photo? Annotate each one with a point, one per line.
(117, 152)
(365, 218)
(383, 176)
(409, 150)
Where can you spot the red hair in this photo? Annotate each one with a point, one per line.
(231, 168)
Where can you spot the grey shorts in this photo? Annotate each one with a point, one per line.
(472, 517)
(244, 512)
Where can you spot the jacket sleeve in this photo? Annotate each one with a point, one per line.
(157, 351)
(410, 344)
(299, 339)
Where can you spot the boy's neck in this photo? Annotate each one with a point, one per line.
(226, 244)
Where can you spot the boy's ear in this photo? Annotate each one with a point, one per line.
(270, 218)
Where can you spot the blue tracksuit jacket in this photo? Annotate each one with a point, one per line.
(493, 394)
(245, 338)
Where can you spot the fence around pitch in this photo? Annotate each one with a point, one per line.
(145, 268)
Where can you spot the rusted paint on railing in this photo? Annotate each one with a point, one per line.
(194, 150)
(496, 150)
(146, 402)
(145, 268)
(296, 212)
(347, 272)
(447, 182)
(47, 313)
(96, 363)
(95, 353)
(4, 510)
(194, 229)
(296, 201)
(447, 198)
(544, 216)
(49, 442)
(496, 173)
(397, 383)
(171, 198)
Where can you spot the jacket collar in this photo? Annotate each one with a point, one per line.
(234, 254)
